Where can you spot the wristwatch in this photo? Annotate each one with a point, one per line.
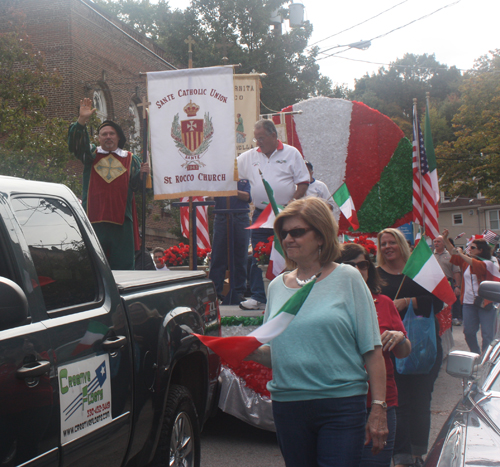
(382, 403)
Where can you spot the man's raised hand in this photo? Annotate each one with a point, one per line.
(86, 111)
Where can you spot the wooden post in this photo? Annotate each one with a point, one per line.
(191, 216)
(190, 41)
(145, 105)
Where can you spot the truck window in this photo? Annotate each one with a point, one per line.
(62, 261)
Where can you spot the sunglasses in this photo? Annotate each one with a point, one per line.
(474, 247)
(361, 265)
(295, 233)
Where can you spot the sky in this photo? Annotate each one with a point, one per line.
(460, 32)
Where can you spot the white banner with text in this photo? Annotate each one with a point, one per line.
(192, 125)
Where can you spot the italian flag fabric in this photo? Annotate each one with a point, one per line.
(277, 258)
(492, 272)
(265, 220)
(431, 156)
(234, 349)
(95, 331)
(344, 200)
(424, 269)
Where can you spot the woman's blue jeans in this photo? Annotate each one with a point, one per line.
(321, 432)
(473, 317)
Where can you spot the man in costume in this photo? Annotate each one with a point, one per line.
(317, 188)
(110, 177)
(283, 167)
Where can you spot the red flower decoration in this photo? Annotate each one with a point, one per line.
(255, 375)
(178, 255)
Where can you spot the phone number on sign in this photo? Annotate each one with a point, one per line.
(98, 409)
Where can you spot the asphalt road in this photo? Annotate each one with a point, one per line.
(229, 442)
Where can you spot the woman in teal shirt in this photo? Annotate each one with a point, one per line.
(319, 383)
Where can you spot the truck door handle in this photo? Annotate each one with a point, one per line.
(114, 343)
(33, 369)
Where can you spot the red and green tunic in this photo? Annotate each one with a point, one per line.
(109, 180)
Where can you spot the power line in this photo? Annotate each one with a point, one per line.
(359, 24)
(388, 64)
(395, 29)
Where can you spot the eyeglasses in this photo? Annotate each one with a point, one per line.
(474, 247)
(295, 233)
(361, 265)
(259, 140)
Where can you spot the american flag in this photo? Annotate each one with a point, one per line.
(425, 210)
(491, 237)
(202, 235)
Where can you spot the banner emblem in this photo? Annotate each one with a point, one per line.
(192, 137)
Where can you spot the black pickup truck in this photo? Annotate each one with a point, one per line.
(97, 367)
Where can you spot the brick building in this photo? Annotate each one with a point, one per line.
(98, 57)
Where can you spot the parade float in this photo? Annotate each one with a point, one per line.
(347, 142)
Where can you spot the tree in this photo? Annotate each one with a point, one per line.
(31, 146)
(239, 30)
(471, 163)
(392, 90)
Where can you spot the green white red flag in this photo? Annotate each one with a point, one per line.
(265, 220)
(95, 331)
(234, 349)
(344, 200)
(424, 269)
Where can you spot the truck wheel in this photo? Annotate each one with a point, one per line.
(179, 444)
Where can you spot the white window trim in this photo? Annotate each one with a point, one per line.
(453, 218)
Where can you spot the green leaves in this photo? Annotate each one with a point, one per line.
(32, 146)
(471, 163)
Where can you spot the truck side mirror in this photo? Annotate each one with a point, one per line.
(13, 304)
(490, 290)
(462, 364)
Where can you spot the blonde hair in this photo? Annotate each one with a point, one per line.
(317, 214)
(400, 240)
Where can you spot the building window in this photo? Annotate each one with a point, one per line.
(458, 219)
(445, 198)
(494, 220)
(99, 102)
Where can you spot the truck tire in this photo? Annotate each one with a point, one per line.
(179, 444)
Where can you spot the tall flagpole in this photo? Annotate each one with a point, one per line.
(417, 139)
(144, 104)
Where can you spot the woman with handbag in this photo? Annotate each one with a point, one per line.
(414, 391)
(475, 311)
(394, 340)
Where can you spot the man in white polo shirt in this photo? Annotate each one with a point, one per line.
(283, 167)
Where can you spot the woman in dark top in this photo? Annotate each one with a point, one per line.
(415, 391)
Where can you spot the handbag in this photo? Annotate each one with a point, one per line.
(422, 335)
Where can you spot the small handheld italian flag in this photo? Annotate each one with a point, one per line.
(424, 269)
(344, 200)
(277, 262)
(234, 349)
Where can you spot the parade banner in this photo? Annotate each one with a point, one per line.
(192, 132)
(246, 109)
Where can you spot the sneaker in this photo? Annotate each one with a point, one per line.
(456, 322)
(252, 304)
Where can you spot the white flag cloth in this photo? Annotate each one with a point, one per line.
(192, 126)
